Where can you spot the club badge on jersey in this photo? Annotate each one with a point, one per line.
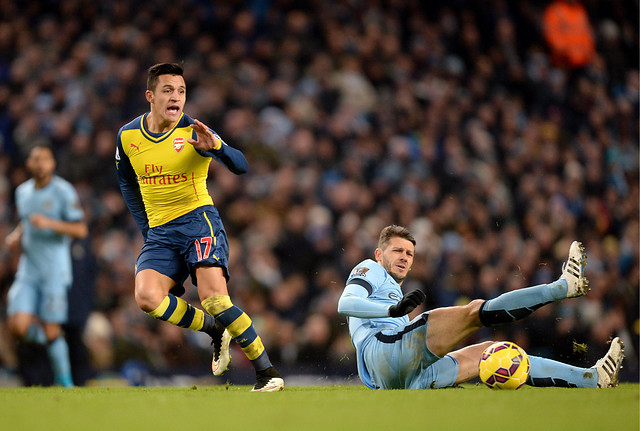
(360, 271)
(178, 144)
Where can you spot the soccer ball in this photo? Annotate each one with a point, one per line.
(504, 365)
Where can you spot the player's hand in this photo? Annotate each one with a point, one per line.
(13, 239)
(408, 303)
(206, 139)
(41, 221)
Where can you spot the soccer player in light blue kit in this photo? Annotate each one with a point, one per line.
(50, 215)
(395, 353)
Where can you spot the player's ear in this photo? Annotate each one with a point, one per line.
(378, 254)
(149, 95)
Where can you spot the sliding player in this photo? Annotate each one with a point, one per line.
(394, 353)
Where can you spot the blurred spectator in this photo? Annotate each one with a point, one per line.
(568, 32)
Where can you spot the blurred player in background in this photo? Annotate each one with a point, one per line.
(50, 216)
(394, 353)
(162, 159)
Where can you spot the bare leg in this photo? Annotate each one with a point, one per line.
(151, 289)
(19, 324)
(449, 326)
(468, 359)
(52, 330)
(211, 282)
(152, 294)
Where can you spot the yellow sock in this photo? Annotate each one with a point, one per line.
(178, 312)
(240, 326)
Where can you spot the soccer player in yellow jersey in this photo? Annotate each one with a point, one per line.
(162, 160)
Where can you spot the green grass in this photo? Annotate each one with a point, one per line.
(210, 408)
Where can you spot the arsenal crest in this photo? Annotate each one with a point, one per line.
(178, 144)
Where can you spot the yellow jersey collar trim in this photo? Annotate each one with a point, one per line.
(147, 134)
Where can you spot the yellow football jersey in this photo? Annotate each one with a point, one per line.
(171, 173)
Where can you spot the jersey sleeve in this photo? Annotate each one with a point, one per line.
(355, 300)
(72, 210)
(130, 188)
(228, 156)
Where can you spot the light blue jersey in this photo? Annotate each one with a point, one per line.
(391, 352)
(45, 252)
(44, 270)
(383, 290)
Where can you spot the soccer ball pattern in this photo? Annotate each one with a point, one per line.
(504, 365)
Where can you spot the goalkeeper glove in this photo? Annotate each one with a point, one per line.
(408, 303)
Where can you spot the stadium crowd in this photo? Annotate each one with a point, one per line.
(451, 118)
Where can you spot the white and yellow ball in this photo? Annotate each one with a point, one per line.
(504, 365)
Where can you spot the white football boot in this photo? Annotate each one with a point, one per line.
(608, 367)
(268, 380)
(221, 354)
(573, 271)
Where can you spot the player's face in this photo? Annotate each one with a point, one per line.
(41, 164)
(168, 98)
(396, 258)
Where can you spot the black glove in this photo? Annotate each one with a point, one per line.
(408, 303)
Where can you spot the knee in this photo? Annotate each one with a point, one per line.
(474, 307)
(147, 297)
(17, 330)
(18, 327)
(473, 312)
(485, 345)
(52, 331)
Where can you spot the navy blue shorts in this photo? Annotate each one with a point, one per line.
(176, 248)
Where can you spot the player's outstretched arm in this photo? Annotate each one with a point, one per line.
(354, 302)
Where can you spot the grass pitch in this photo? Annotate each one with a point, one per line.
(318, 408)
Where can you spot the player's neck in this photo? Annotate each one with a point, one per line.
(157, 124)
(43, 182)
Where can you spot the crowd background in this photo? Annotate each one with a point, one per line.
(459, 119)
